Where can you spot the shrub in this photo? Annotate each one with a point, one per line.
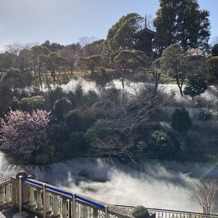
(58, 133)
(61, 108)
(79, 120)
(140, 212)
(215, 50)
(77, 145)
(42, 159)
(141, 146)
(180, 120)
(32, 103)
(49, 150)
(162, 144)
(212, 68)
(197, 85)
(102, 130)
(205, 114)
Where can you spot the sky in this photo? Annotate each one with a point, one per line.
(67, 21)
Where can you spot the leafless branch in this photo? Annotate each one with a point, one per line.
(204, 192)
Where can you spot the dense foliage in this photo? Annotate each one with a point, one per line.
(108, 99)
(182, 22)
(120, 34)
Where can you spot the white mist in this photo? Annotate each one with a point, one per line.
(166, 185)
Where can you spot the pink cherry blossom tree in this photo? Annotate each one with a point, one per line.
(22, 132)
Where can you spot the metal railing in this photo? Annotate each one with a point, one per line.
(45, 200)
(166, 213)
(163, 213)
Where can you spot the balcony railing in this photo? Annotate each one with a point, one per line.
(165, 213)
(45, 200)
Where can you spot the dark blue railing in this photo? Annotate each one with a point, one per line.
(59, 191)
(90, 202)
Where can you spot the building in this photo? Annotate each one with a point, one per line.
(143, 41)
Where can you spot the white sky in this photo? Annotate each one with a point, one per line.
(66, 21)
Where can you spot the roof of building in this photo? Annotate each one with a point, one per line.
(145, 30)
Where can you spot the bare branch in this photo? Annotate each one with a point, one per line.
(204, 192)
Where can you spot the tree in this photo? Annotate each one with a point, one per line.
(196, 74)
(214, 41)
(71, 53)
(129, 114)
(18, 55)
(165, 25)
(83, 41)
(61, 65)
(54, 63)
(6, 97)
(120, 34)
(204, 191)
(212, 67)
(91, 62)
(116, 132)
(184, 67)
(6, 61)
(215, 50)
(11, 78)
(129, 60)
(35, 63)
(172, 61)
(22, 132)
(93, 48)
(196, 85)
(107, 141)
(182, 22)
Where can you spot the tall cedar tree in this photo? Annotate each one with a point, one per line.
(182, 22)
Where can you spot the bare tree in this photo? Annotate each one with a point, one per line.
(114, 133)
(204, 191)
(135, 109)
(83, 41)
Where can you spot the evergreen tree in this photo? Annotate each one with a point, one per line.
(182, 22)
(165, 24)
(120, 34)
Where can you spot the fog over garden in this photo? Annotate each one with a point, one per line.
(140, 106)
